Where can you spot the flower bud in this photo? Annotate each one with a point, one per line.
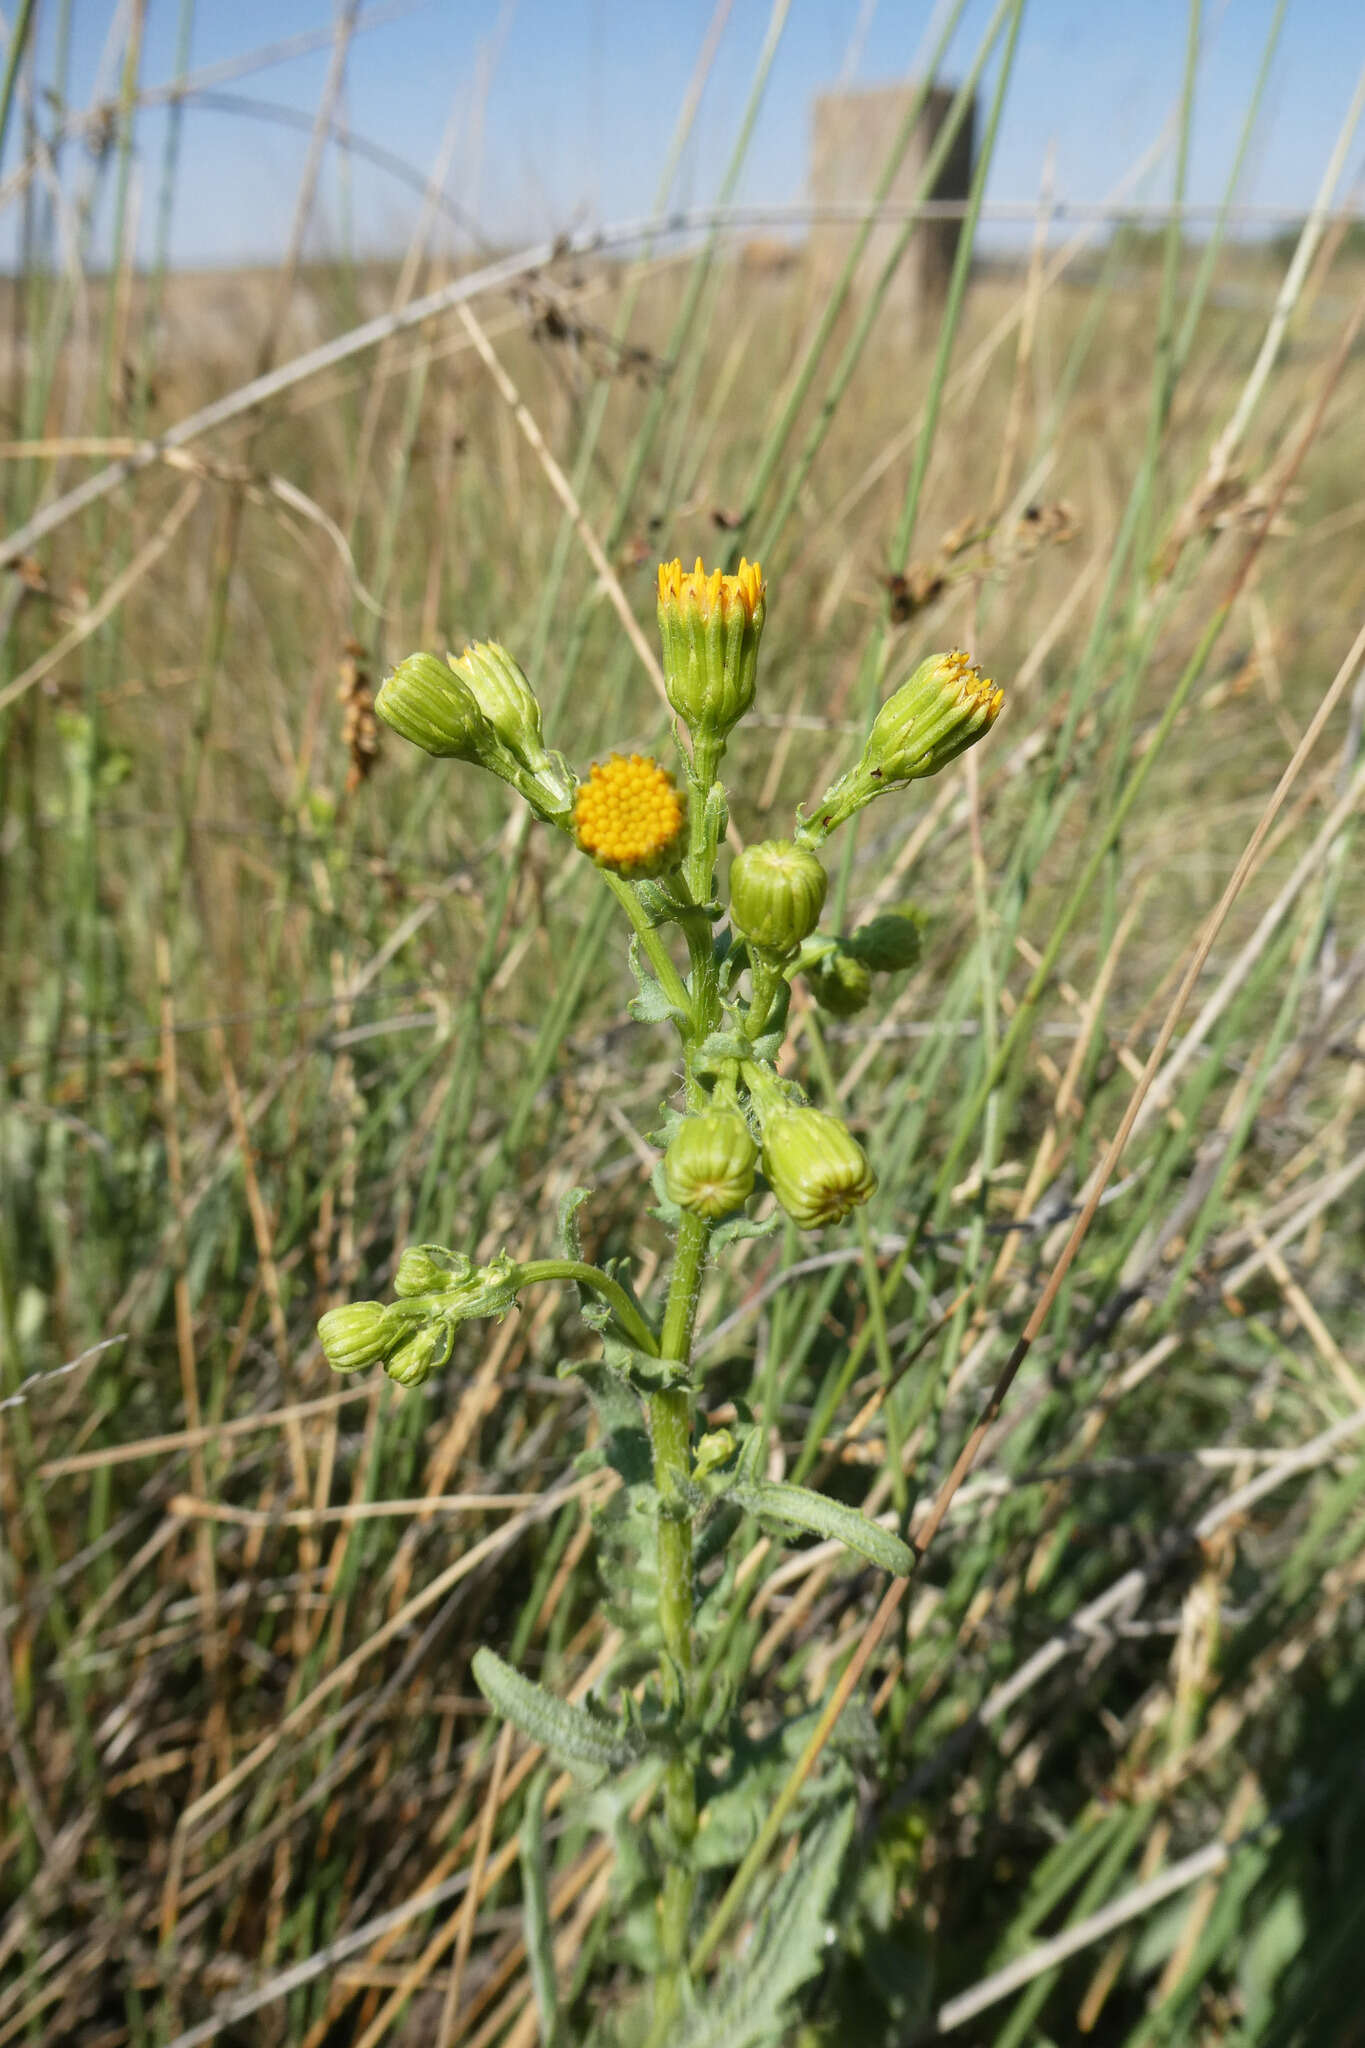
(710, 627)
(714, 1449)
(840, 983)
(709, 1164)
(815, 1166)
(628, 817)
(931, 719)
(504, 696)
(777, 892)
(425, 702)
(430, 1269)
(357, 1335)
(422, 1354)
(507, 701)
(888, 943)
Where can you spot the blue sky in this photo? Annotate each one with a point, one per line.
(582, 97)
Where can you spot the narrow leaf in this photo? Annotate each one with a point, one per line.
(568, 1221)
(578, 1738)
(773, 1501)
(535, 1911)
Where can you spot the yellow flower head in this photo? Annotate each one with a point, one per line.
(629, 817)
(693, 587)
(710, 628)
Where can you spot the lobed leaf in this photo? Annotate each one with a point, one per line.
(652, 1005)
(735, 1229)
(787, 1948)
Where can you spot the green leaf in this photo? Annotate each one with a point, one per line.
(787, 1948)
(719, 1048)
(651, 1006)
(799, 1508)
(736, 1228)
(668, 1211)
(645, 1372)
(659, 907)
(584, 1740)
(627, 1531)
(615, 1403)
(662, 1134)
(569, 1235)
(535, 1910)
(717, 813)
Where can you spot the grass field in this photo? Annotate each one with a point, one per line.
(279, 996)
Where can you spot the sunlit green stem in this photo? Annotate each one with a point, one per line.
(767, 975)
(653, 947)
(611, 1292)
(670, 1422)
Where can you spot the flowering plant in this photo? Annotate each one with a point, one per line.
(743, 1128)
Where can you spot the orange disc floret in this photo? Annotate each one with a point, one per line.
(629, 816)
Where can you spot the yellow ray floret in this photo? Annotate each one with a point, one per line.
(976, 690)
(628, 815)
(678, 585)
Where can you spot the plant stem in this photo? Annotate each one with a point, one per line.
(669, 978)
(766, 979)
(611, 1291)
(670, 1423)
(670, 1415)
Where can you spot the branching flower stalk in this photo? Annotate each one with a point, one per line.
(741, 1129)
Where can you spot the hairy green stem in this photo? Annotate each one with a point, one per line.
(670, 1423)
(670, 981)
(766, 975)
(611, 1292)
(707, 754)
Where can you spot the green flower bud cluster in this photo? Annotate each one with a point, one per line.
(413, 1336)
(479, 707)
(777, 892)
(942, 710)
(839, 972)
(811, 1160)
